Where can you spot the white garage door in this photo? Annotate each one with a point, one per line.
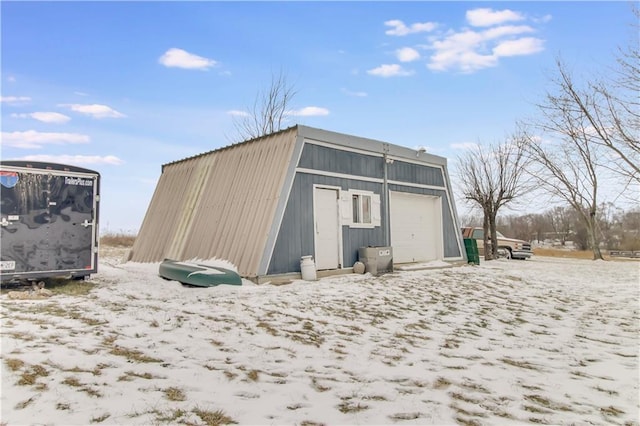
(416, 227)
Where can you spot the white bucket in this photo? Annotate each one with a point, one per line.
(308, 268)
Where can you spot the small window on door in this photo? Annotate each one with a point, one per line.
(361, 208)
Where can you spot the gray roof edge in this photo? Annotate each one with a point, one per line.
(367, 144)
(340, 139)
(231, 146)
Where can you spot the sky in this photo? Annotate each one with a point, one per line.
(547, 340)
(124, 87)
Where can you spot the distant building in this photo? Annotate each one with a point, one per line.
(264, 203)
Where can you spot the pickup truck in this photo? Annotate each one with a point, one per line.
(507, 247)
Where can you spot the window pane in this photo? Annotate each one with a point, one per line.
(478, 234)
(366, 208)
(356, 208)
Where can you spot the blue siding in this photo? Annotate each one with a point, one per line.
(338, 161)
(415, 173)
(296, 236)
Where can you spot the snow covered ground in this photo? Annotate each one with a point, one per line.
(552, 341)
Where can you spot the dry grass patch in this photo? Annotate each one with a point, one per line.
(441, 383)
(100, 419)
(253, 375)
(567, 254)
(119, 239)
(214, 418)
(133, 354)
(20, 336)
(230, 375)
(75, 383)
(522, 364)
(347, 407)
(24, 404)
(70, 287)
(130, 375)
(611, 411)
(547, 403)
(315, 384)
(171, 417)
(405, 416)
(174, 394)
(268, 328)
(14, 364)
(460, 397)
(30, 376)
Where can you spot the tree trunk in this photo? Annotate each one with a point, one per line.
(488, 254)
(494, 236)
(593, 237)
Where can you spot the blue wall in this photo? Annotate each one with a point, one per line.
(296, 234)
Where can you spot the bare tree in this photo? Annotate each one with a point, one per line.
(560, 219)
(269, 110)
(491, 178)
(611, 106)
(612, 116)
(591, 133)
(565, 162)
(620, 95)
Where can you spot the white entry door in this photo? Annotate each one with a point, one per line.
(327, 228)
(416, 227)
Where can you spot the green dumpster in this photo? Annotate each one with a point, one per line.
(471, 246)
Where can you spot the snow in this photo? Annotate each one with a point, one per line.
(546, 340)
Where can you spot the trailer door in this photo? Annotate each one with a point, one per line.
(73, 216)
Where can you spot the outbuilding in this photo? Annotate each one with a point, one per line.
(265, 203)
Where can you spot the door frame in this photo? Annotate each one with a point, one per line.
(339, 222)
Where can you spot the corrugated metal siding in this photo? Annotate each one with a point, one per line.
(220, 204)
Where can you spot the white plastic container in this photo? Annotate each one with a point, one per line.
(308, 268)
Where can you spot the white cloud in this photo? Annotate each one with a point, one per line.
(32, 139)
(238, 113)
(45, 117)
(94, 110)
(356, 94)
(14, 99)
(400, 29)
(310, 111)
(75, 159)
(407, 54)
(521, 46)
(468, 51)
(504, 31)
(485, 17)
(178, 58)
(457, 51)
(389, 70)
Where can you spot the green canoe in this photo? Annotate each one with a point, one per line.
(196, 274)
